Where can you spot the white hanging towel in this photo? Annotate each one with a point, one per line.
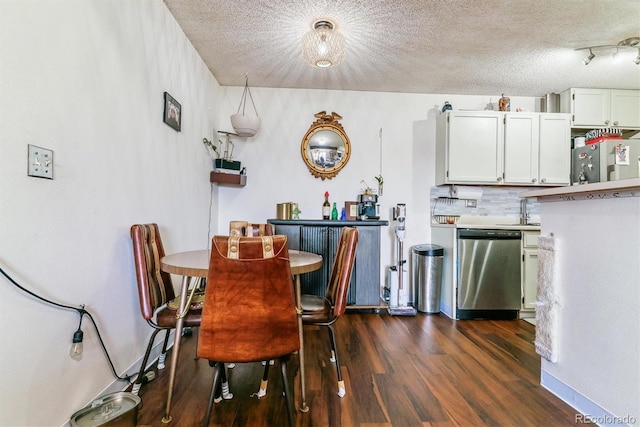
(548, 302)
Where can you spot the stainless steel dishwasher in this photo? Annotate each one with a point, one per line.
(488, 274)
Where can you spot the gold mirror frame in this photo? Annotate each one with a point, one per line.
(325, 147)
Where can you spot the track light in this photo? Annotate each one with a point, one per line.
(629, 43)
(616, 55)
(588, 58)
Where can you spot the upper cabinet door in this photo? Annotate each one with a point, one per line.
(474, 147)
(521, 148)
(602, 108)
(591, 107)
(625, 108)
(554, 149)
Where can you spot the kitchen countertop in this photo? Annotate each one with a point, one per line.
(632, 184)
(492, 222)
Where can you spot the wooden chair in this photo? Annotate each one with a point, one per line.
(325, 311)
(249, 309)
(155, 291)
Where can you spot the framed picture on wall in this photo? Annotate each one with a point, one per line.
(172, 112)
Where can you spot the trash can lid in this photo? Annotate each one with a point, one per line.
(428, 250)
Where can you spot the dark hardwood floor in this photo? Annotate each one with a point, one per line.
(399, 371)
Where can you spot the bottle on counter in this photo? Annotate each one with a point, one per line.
(326, 206)
(334, 212)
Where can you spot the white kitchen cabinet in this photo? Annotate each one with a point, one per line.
(529, 270)
(602, 108)
(496, 148)
(469, 147)
(554, 151)
(521, 143)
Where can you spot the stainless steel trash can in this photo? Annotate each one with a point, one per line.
(426, 274)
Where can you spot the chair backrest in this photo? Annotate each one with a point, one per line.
(259, 230)
(244, 228)
(249, 308)
(154, 285)
(338, 286)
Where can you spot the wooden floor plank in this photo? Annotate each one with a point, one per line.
(426, 370)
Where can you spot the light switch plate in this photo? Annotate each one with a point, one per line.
(40, 162)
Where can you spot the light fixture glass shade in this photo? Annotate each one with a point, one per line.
(323, 46)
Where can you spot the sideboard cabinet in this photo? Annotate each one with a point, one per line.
(321, 237)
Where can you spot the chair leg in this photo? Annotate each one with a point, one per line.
(223, 390)
(218, 369)
(138, 383)
(287, 394)
(163, 354)
(262, 392)
(334, 350)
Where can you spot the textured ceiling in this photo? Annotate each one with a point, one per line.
(476, 47)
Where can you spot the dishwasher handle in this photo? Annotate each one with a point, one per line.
(482, 234)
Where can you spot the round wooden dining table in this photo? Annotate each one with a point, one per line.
(196, 264)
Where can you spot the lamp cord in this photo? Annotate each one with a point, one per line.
(81, 311)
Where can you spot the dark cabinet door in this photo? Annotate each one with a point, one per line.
(315, 240)
(322, 239)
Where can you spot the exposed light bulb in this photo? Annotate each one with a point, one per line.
(76, 346)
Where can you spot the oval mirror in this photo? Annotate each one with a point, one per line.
(325, 147)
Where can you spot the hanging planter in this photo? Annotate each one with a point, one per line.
(245, 125)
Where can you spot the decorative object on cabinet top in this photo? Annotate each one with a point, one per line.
(325, 147)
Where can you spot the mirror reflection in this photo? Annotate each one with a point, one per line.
(325, 147)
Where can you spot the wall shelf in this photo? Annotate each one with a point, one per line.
(228, 178)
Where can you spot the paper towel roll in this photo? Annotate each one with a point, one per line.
(462, 192)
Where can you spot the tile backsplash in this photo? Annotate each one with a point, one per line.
(495, 201)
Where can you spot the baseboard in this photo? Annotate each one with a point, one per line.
(587, 411)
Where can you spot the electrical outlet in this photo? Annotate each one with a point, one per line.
(40, 162)
(471, 203)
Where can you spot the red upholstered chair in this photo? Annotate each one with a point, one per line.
(325, 311)
(155, 291)
(249, 308)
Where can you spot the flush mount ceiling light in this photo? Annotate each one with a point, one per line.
(323, 47)
(630, 43)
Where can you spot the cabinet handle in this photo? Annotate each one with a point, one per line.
(533, 180)
(543, 180)
(499, 179)
(615, 123)
(606, 122)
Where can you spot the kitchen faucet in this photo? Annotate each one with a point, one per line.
(524, 215)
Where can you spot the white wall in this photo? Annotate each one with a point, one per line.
(598, 272)
(86, 79)
(277, 173)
